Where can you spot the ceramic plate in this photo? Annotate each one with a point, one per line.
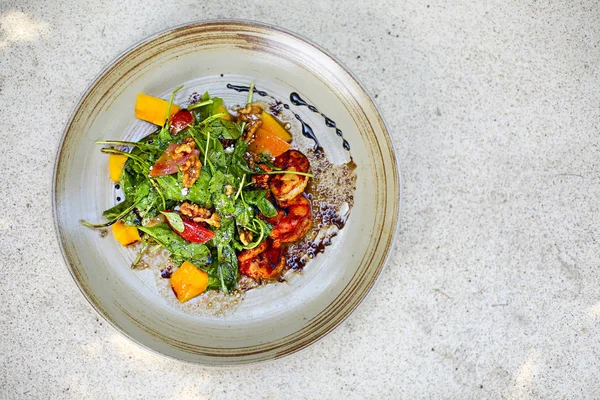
(273, 320)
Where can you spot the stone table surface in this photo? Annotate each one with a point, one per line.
(493, 287)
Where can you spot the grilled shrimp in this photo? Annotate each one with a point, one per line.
(262, 262)
(262, 181)
(286, 187)
(293, 223)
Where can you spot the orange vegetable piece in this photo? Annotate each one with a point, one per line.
(265, 142)
(271, 125)
(188, 282)
(222, 109)
(153, 109)
(116, 163)
(125, 234)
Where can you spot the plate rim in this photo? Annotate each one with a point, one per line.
(225, 361)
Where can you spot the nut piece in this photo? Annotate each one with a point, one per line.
(250, 114)
(191, 171)
(214, 220)
(246, 237)
(229, 190)
(199, 214)
(192, 167)
(193, 211)
(184, 148)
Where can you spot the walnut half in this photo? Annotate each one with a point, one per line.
(199, 214)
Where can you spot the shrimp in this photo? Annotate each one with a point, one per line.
(292, 224)
(261, 181)
(262, 262)
(286, 187)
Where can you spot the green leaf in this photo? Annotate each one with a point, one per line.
(171, 187)
(117, 210)
(205, 111)
(237, 163)
(181, 249)
(258, 198)
(200, 193)
(174, 220)
(224, 205)
(243, 213)
(216, 182)
(224, 129)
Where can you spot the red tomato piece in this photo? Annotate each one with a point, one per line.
(180, 121)
(195, 232)
(165, 165)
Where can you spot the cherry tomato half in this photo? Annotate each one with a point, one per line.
(180, 121)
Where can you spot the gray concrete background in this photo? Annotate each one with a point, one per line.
(493, 289)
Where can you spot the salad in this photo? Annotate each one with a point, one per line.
(223, 193)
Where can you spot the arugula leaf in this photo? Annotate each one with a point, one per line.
(174, 220)
(224, 205)
(223, 271)
(237, 163)
(207, 110)
(216, 182)
(117, 210)
(217, 155)
(224, 129)
(200, 192)
(258, 198)
(170, 186)
(243, 213)
(181, 249)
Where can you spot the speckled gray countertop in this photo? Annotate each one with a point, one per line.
(493, 289)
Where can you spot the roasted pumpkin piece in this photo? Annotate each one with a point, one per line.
(116, 163)
(222, 110)
(153, 109)
(273, 127)
(188, 282)
(265, 142)
(125, 234)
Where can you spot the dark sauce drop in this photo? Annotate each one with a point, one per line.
(308, 132)
(166, 273)
(117, 186)
(240, 88)
(296, 100)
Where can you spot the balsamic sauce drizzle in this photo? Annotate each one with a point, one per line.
(296, 100)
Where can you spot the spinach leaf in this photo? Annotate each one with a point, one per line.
(170, 187)
(237, 163)
(216, 154)
(243, 213)
(224, 205)
(200, 192)
(181, 250)
(258, 198)
(223, 271)
(115, 211)
(174, 220)
(130, 179)
(224, 129)
(206, 110)
(216, 182)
